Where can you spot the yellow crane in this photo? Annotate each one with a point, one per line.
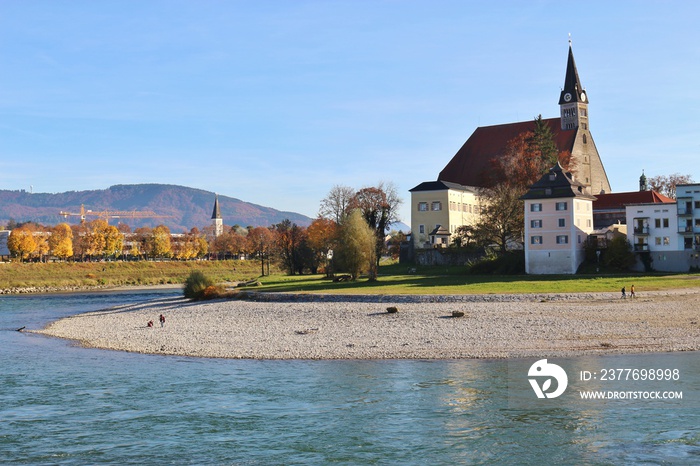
(107, 214)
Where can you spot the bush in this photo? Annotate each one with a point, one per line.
(509, 263)
(196, 284)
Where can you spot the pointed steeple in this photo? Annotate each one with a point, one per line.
(217, 212)
(643, 182)
(573, 90)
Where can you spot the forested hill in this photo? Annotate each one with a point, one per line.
(187, 207)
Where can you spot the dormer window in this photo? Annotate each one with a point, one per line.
(548, 191)
(552, 176)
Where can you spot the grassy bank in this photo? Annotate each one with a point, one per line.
(393, 279)
(64, 274)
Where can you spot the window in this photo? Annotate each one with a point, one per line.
(562, 239)
(535, 207)
(562, 222)
(436, 205)
(657, 241)
(697, 204)
(422, 207)
(535, 240)
(579, 239)
(421, 229)
(657, 222)
(535, 223)
(667, 240)
(665, 223)
(561, 205)
(588, 223)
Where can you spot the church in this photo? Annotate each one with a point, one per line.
(439, 207)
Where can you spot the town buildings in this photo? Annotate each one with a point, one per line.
(667, 235)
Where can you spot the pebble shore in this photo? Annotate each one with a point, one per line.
(304, 326)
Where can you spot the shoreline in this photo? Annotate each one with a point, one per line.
(302, 326)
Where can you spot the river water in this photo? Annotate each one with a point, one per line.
(62, 404)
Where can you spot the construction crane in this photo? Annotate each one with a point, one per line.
(107, 214)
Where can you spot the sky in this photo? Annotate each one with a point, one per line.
(274, 102)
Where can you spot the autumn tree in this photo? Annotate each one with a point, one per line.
(288, 241)
(21, 243)
(259, 243)
(113, 241)
(230, 243)
(666, 184)
(92, 240)
(160, 242)
(322, 236)
(357, 246)
(502, 220)
(61, 241)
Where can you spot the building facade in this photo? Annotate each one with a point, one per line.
(558, 220)
(668, 232)
(438, 209)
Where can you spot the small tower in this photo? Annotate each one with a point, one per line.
(217, 222)
(643, 186)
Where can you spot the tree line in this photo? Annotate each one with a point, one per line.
(347, 236)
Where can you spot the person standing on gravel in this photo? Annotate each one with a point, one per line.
(162, 320)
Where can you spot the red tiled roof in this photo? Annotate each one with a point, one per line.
(620, 200)
(471, 165)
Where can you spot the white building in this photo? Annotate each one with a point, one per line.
(558, 220)
(670, 233)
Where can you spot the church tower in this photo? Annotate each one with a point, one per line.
(218, 222)
(573, 101)
(586, 164)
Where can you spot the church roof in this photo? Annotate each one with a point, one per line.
(557, 184)
(618, 201)
(472, 164)
(572, 83)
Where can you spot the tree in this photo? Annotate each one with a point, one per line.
(357, 246)
(464, 236)
(379, 206)
(113, 240)
(93, 240)
(666, 184)
(395, 244)
(259, 242)
(160, 242)
(61, 241)
(21, 242)
(288, 239)
(322, 236)
(335, 205)
(502, 220)
(619, 255)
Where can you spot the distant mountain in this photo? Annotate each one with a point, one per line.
(185, 207)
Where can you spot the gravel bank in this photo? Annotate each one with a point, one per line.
(281, 326)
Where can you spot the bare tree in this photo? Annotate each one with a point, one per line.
(666, 184)
(335, 205)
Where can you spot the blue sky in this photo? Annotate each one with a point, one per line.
(275, 102)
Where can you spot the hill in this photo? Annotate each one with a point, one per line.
(186, 207)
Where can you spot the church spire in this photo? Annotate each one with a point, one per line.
(218, 221)
(573, 90)
(217, 212)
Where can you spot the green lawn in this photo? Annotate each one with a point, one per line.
(393, 278)
(439, 280)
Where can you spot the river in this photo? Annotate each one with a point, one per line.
(63, 404)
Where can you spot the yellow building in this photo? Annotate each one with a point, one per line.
(438, 209)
